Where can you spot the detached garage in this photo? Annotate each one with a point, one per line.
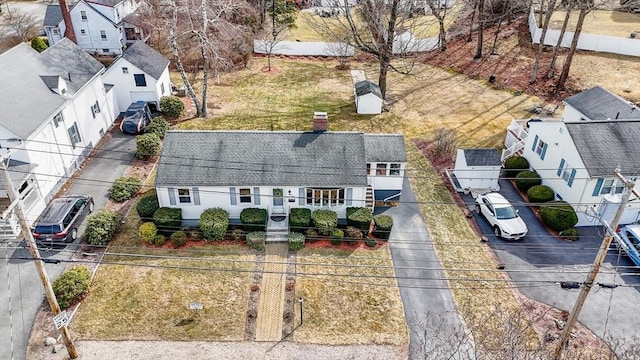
(368, 98)
(477, 169)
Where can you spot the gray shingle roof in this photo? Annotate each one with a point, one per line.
(253, 158)
(598, 103)
(367, 87)
(53, 15)
(482, 157)
(607, 145)
(27, 101)
(384, 147)
(146, 58)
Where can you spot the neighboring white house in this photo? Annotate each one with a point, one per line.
(103, 27)
(141, 74)
(277, 171)
(55, 108)
(368, 97)
(477, 169)
(576, 156)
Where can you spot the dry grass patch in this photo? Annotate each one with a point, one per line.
(356, 302)
(599, 22)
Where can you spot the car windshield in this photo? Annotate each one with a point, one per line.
(130, 113)
(505, 213)
(47, 229)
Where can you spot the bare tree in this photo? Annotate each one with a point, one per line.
(283, 17)
(23, 24)
(439, 11)
(342, 52)
(547, 19)
(373, 28)
(481, 18)
(556, 49)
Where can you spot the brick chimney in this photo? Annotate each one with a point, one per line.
(66, 16)
(320, 121)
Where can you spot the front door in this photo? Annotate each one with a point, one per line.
(278, 202)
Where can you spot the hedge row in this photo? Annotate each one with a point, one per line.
(254, 219)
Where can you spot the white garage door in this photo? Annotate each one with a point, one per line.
(143, 96)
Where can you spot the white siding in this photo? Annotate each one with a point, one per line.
(475, 177)
(385, 182)
(125, 87)
(91, 41)
(368, 104)
(570, 114)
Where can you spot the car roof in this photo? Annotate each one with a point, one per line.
(497, 199)
(57, 209)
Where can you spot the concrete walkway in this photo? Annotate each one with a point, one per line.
(271, 305)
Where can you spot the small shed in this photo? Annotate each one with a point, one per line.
(368, 98)
(477, 169)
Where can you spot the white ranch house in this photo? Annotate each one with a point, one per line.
(141, 74)
(577, 154)
(55, 110)
(278, 171)
(102, 27)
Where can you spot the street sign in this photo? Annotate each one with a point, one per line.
(61, 319)
(195, 306)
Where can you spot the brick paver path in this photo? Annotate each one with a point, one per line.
(271, 306)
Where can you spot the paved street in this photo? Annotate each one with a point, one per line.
(21, 292)
(425, 296)
(541, 257)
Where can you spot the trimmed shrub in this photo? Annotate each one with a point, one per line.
(214, 223)
(101, 226)
(353, 233)
(336, 236)
(72, 285)
(238, 234)
(195, 235)
(158, 126)
(371, 242)
(38, 44)
(295, 241)
(124, 188)
(147, 205)
(147, 145)
(570, 234)
(527, 179)
(515, 164)
(171, 106)
(253, 219)
(256, 240)
(325, 221)
(148, 232)
(384, 223)
(299, 219)
(311, 234)
(160, 239)
(178, 239)
(359, 217)
(540, 194)
(167, 219)
(558, 215)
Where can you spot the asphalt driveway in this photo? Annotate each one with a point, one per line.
(426, 297)
(539, 262)
(21, 293)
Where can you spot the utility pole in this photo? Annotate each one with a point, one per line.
(33, 249)
(595, 268)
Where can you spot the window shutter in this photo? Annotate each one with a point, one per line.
(232, 195)
(172, 196)
(535, 142)
(300, 196)
(573, 175)
(559, 173)
(596, 190)
(196, 195)
(349, 199)
(544, 151)
(256, 196)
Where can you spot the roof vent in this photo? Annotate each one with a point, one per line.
(320, 121)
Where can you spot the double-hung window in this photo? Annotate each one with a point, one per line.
(57, 119)
(539, 147)
(74, 135)
(95, 109)
(103, 35)
(83, 15)
(245, 195)
(394, 169)
(184, 196)
(566, 172)
(611, 186)
(381, 169)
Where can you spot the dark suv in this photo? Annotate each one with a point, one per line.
(60, 220)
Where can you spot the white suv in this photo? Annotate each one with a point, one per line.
(501, 216)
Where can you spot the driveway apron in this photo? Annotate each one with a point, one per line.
(21, 293)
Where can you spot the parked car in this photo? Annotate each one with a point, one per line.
(501, 215)
(136, 118)
(629, 241)
(60, 220)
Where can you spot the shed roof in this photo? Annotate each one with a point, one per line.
(482, 157)
(254, 158)
(598, 103)
(607, 145)
(52, 16)
(367, 87)
(146, 59)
